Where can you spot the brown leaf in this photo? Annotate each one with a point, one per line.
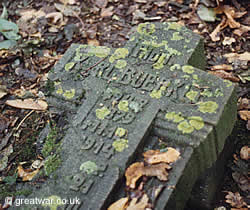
(3, 91)
(232, 57)
(230, 13)
(133, 173)
(242, 181)
(119, 205)
(28, 104)
(244, 114)
(245, 153)
(235, 200)
(243, 103)
(224, 67)
(223, 24)
(141, 205)
(155, 156)
(93, 42)
(158, 170)
(228, 40)
(26, 174)
(243, 29)
(225, 75)
(101, 3)
(107, 12)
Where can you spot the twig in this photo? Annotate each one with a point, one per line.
(24, 119)
(86, 70)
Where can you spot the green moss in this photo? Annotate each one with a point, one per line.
(120, 144)
(102, 113)
(208, 107)
(118, 54)
(146, 29)
(120, 132)
(89, 167)
(188, 69)
(185, 127)
(50, 144)
(120, 64)
(69, 66)
(197, 122)
(51, 164)
(176, 36)
(69, 93)
(191, 95)
(123, 105)
(49, 87)
(53, 202)
(160, 62)
(175, 67)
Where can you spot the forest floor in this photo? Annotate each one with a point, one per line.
(35, 34)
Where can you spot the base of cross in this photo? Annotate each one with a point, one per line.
(150, 94)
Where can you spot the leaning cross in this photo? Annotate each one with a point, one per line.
(118, 98)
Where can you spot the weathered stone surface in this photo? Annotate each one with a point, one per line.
(115, 98)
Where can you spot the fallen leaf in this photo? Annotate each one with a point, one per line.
(67, 10)
(133, 173)
(232, 57)
(223, 24)
(119, 205)
(242, 181)
(235, 200)
(141, 205)
(93, 42)
(224, 67)
(230, 13)
(206, 14)
(3, 91)
(56, 17)
(107, 12)
(225, 75)
(243, 103)
(155, 156)
(244, 114)
(28, 104)
(101, 3)
(228, 40)
(158, 170)
(243, 29)
(26, 174)
(245, 153)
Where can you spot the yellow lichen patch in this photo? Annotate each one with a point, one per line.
(89, 167)
(229, 84)
(208, 107)
(69, 66)
(188, 69)
(102, 113)
(197, 122)
(123, 105)
(118, 54)
(120, 144)
(146, 28)
(100, 51)
(191, 95)
(69, 93)
(176, 36)
(185, 127)
(175, 67)
(195, 77)
(52, 202)
(174, 116)
(160, 62)
(156, 94)
(174, 26)
(120, 132)
(120, 64)
(59, 91)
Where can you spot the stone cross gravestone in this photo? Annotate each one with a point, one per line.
(116, 98)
